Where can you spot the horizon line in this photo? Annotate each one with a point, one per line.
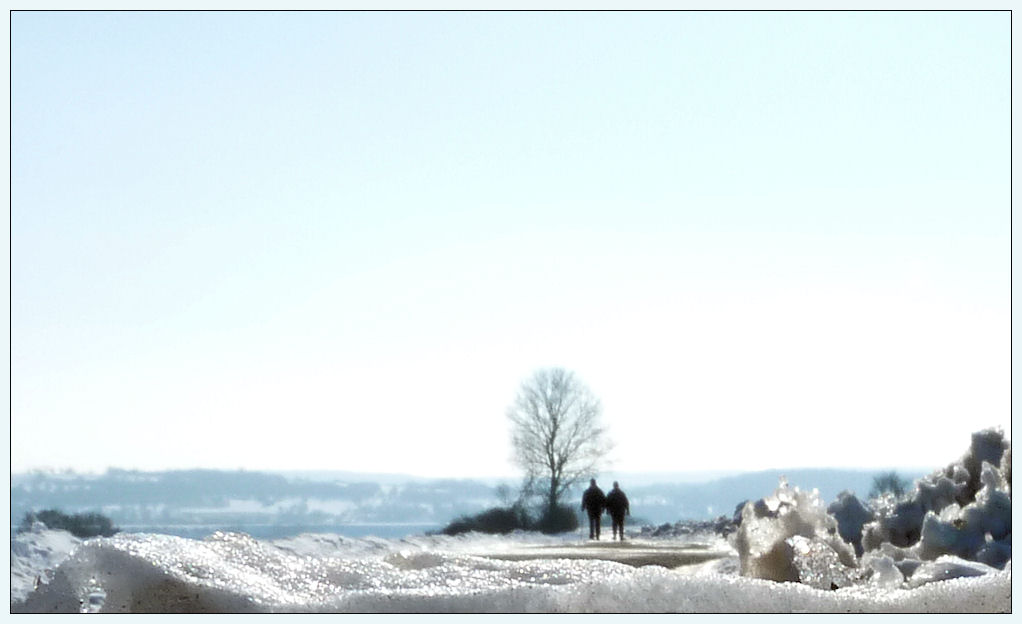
(719, 472)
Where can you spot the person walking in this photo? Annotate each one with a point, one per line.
(617, 507)
(593, 502)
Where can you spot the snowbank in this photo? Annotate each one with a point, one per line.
(235, 573)
(956, 523)
(34, 555)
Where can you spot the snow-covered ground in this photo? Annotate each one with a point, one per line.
(34, 556)
(235, 573)
(945, 548)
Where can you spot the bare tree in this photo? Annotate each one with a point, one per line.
(556, 432)
(889, 482)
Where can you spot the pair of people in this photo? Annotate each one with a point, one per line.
(615, 502)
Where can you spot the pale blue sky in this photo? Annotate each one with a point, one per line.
(341, 240)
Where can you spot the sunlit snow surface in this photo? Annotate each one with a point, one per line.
(232, 572)
(34, 556)
(944, 548)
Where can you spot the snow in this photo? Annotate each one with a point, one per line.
(34, 555)
(956, 524)
(946, 548)
(235, 573)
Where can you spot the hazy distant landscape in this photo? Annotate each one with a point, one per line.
(195, 503)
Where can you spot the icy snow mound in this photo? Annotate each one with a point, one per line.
(790, 537)
(956, 524)
(34, 555)
(236, 573)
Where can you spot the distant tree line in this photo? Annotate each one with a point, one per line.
(82, 525)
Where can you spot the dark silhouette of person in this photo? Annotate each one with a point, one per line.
(617, 507)
(593, 502)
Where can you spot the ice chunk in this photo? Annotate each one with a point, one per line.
(995, 554)
(901, 527)
(989, 446)
(958, 537)
(959, 474)
(954, 511)
(851, 516)
(762, 539)
(819, 565)
(939, 491)
(908, 566)
(994, 499)
(1006, 466)
(980, 525)
(884, 571)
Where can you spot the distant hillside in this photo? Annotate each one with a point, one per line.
(667, 502)
(233, 500)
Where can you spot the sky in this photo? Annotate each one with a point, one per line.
(341, 241)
